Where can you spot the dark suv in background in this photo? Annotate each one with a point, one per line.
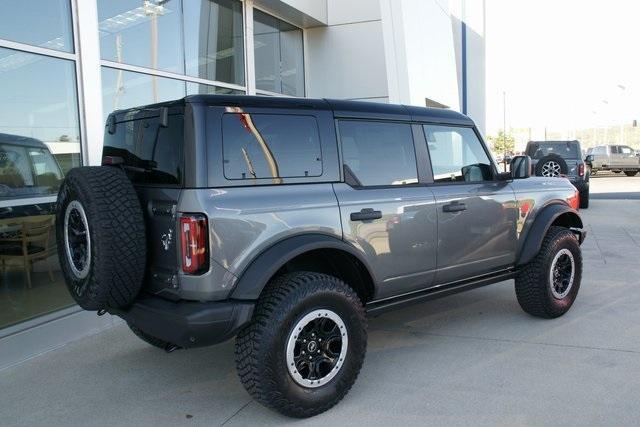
(561, 158)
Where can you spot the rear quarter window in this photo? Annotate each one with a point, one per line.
(271, 146)
(152, 154)
(568, 150)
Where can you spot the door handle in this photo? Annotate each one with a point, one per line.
(366, 214)
(454, 207)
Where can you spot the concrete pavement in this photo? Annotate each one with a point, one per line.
(470, 359)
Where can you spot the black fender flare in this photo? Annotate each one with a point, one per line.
(541, 224)
(255, 277)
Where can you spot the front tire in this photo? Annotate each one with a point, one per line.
(293, 314)
(548, 285)
(630, 173)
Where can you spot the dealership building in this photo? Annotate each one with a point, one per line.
(66, 64)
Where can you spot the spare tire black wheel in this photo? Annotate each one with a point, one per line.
(101, 237)
(551, 166)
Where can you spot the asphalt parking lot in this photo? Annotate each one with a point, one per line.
(470, 359)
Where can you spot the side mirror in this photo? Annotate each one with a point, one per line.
(589, 158)
(520, 167)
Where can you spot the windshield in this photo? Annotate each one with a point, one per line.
(567, 150)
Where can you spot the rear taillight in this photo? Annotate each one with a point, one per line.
(193, 240)
(574, 201)
(581, 169)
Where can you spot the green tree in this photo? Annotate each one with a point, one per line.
(502, 142)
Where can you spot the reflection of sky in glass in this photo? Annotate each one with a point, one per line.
(45, 23)
(127, 28)
(38, 96)
(124, 89)
(214, 40)
(278, 55)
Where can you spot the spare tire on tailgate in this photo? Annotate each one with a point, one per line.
(551, 165)
(101, 237)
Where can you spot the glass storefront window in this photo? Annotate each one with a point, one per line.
(200, 89)
(44, 23)
(214, 40)
(144, 33)
(279, 55)
(39, 142)
(125, 89)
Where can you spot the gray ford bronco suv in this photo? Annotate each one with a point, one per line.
(283, 222)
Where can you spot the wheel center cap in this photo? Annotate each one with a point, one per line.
(312, 346)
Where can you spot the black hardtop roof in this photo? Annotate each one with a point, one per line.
(340, 108)
(7, 138)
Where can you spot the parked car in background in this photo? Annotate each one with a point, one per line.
(561, 158)
(29, 177)
(614, 158)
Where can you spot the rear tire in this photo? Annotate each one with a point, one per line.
(271, 352)
(584, 199)
(630, 173)
(101, 237)
(548, 285)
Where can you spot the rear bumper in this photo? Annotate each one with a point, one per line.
(188, 323)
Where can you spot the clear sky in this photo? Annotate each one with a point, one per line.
(561, 62)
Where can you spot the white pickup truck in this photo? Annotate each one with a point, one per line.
(615, 158)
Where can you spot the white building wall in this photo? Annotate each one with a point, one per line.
(420, 53)
(472, 13)
(346, 59)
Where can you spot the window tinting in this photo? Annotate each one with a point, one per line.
(567, 150)
(378, 153)
(457, 154)
(270, 146)
(152, 154)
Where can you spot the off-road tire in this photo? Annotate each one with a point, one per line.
(117, 253)
(533, 287)
(261, 346)
(149, 339)
(584, 199)
(630, 173)
(564, 169)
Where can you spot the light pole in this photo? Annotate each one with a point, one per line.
(504, 129)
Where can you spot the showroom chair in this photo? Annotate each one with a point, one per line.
(31, 243)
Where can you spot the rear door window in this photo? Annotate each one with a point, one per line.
(378, 153)
(271, 146)
(152, 154)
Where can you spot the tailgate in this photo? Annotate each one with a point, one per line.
(159, 206)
